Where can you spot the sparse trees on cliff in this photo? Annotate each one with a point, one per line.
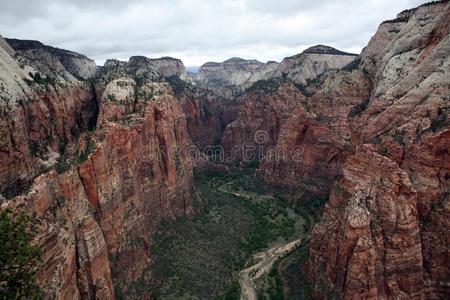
(18, 258)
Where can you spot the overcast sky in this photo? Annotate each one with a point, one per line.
(197, 31)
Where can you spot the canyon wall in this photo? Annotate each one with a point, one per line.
(373, 131)
(43, 107)
(384, 231)
(99, 161)
(117, 163)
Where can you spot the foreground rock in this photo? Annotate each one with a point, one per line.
(385, 217)
(114, 172)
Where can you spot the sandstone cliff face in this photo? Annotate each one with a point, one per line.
(257, 97)
(75, 258)
(312, 62)
(54, 62)
(388, 226)
(206, 116)
(236, 74)
(165, 66)
(95, 216)
(370, 231)
(261, 115)
(234, 71)
(316, 135)
(40, 113)
(142, 171)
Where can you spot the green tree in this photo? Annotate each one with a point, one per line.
(18, 258)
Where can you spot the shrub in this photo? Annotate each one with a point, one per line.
(89, 146)
(39, 79)
(398, 137)
(359, 108)
(353, 65)
(268, 86)
(18, 258)
(440, 121)
(178, 85)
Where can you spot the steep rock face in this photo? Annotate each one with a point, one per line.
(75, 259)
(206, 116)
(264, 72)
(316, 135)
(166, 66)
(405, 129)
(261, 115)
(234, 71)
(53, 61)
(40, 113)
(427, 163)
(259, 98)
(141, 172)
(376, 251)
(235, 75)
(228, 77)
(114, 184)
(313, 62)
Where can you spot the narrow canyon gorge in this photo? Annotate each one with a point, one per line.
(105, 158)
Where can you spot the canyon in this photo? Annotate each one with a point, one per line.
(100, 156)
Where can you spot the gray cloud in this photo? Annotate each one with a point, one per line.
(197, 30)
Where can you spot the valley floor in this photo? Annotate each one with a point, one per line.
(245, 232)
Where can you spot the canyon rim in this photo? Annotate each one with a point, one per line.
(323, 176)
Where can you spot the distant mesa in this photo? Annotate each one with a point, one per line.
(322, 49)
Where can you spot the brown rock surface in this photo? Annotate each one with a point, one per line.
(370, 232)
(261, 114)
(316, 135)
(385, 229)
(75, 258)
(95, 219)
(39, 114)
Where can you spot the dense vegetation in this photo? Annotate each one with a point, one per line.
(18, 258)
(200, 258)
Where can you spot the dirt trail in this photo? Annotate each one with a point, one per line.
(264, 260)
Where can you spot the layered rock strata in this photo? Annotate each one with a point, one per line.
(114, 159)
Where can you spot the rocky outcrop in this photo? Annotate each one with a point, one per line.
(385, 216)
(40, 114)
(234, 75)
(141, 172)
(75, 258)
(228, 77)
(165, 66)
(234, 71)
(311, 63)
(206, 116)
(54, 62)
(370, 230)
(261, 115)
(316, 135)
(114, 158)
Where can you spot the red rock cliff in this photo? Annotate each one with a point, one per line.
(384, 233)
(113, 185)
